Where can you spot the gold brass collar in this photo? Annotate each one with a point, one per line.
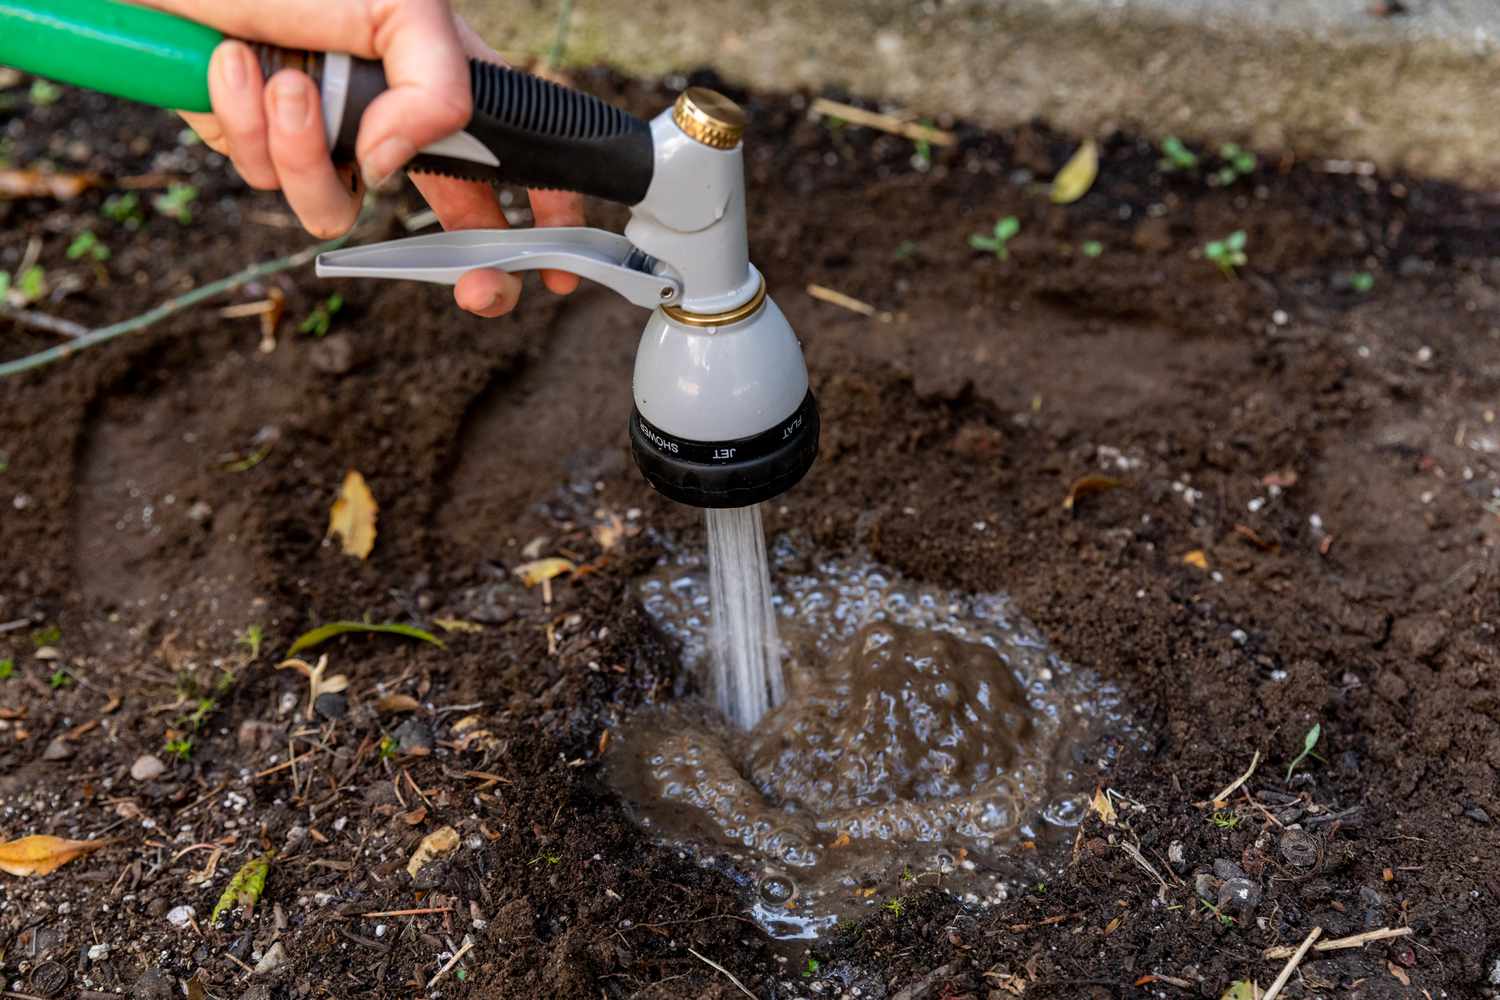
(709, 117)
(745, 310)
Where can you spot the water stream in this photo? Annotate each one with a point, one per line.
(745, 648)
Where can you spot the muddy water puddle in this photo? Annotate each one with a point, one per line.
(928, 738)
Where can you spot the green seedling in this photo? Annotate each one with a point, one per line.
(251, 639)
(320, 319)
(1228, 253)
(387, 748)
(546, 856)
(244, 890)
(1362, 282)
(87, 245)
(124, 210)
(7, 668)
(810, 968)
(1092, 248)
(1176, 156)
(1223, 917)
(60, 680)
(896, 906)
(49, 636)
(1308, 743)
(1005, 231)
(201, 711)
(176, 202)
(45, 92)
(922, 156)
(180, 747)
(1237, 163)
(26, 288)
(905, 250)
(1225, 820)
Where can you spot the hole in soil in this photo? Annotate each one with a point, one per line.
(928, 737)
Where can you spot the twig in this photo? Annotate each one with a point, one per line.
(1237, 782)
(848, 302)
(468, 943)
(169, 308)
(285, 764)
(1338, 944)
(1140, 859)
(1291, 964)
(242, 965)
(885, 123)
(41, 321)
(410, 913)
(13, 625)
(710, 962)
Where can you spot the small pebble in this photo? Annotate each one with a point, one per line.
(414, 736)
(1225, 869)
(98, 952)
(1207, 887)
(1177, 856)
(332, 706)
(1239, 895)
(1300, 848)
(180, 916)
(58, 749)
(147, 767)
(274, 958)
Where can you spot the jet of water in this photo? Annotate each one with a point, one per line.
(745, 649)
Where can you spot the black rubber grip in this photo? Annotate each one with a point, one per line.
(544, 135)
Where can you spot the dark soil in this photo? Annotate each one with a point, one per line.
(1360, 594)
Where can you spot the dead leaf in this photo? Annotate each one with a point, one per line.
(1241, 989)
(1114, 925)
(42, 854)
(542, 570)
(352, 516)
(457, 625)
(415, 817)
(1088, 485)
(439, 841)
(842, 840)
(317, 682)
(1248, 534)
(466, 723)
(40, 184)
(1101, 805)
(395, 704)
(1197, 558)
(1399, 973)
(114, 702)
(1077, 175)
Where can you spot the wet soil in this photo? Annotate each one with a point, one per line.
(1301, 532)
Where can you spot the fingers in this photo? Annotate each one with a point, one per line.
(298, 151)
(467, 205)
(557, 208)
(208, 129)
(428, 98)
(234, 84)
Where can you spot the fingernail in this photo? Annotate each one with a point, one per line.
(289, 104)
(385, 159)
(236, 66)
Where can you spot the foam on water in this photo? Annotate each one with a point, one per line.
(746, 651)
(926, 736)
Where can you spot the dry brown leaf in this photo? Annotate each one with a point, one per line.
(40, 184)
(457, 625)
(1088, 485)
(541, 570)
(395, 704)
(43, 854)
(1114, 925)
(1197, 559)
(842, 840)
(317, 682)
(439, 841)
(466, 723)
(1102, 805)
(1077, 175)
(352, 516)
(415, 817)
(1399, 973)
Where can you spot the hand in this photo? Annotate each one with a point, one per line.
(273, 131)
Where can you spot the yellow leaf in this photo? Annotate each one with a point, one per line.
(42, 855)
(352, 516)
(1102, 805)
(437, 842)
(533, 573)
(1241, 989)
(1087, 485)
(1077, 175)
(1196, 558)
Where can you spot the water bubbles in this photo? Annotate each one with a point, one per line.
(777, 890)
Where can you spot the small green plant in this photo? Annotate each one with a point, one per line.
(1092, 248)
(896, 906)
(176, 202)
(905, 250)
(922, 154)
(86, 244)
(180, 747)
(251, 639)
(1005, 231)
(124, 210)
(4, 458)
(1223, 917)
(201, 711)
(1237, 163)
(7, 668)
(49, 636)
(320, 319)
(1224, 820)
(387, 748)
(1176, 156)
(1362, 282)
(59, 679)
(26, 288)
(1228, 253)
(1309, 742)
(547, 856)
(1041, 888)
(45, 92)
(810, 968)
